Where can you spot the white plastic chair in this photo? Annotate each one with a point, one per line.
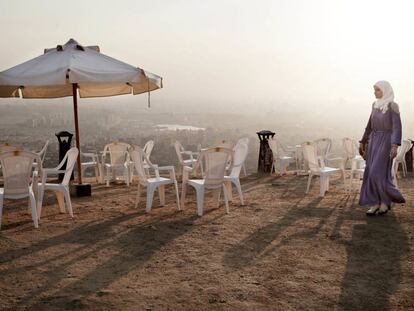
(61, 190)
(215, 160)
(280, 159)
(180, 151)
(17, 168)
(140, 161)
(317, 167)
(92, 163)
(118, 159)
(356, 172)
(243, 140)
(323, 150)
(351, 152)
(354, 160)
(400, 158)
(323, 147)
(239, 156)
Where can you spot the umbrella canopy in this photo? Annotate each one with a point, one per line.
(52, 74)
(71, 68)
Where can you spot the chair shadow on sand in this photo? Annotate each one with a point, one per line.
(258, 244)
(136, 245)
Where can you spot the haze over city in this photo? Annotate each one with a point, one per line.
(322, 57)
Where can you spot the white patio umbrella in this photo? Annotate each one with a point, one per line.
(71, 68)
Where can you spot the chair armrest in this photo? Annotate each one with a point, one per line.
(156, 170)
(168, 168)
(88, 154)
(341, 161)
(188, 153)
(51, 171)
(92, 155)
(103, 156)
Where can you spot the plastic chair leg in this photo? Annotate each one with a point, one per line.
(177, 196)
(1, 208)
(226, 201)
(127, 176)
(228, 185)
(309, 183)
(34, 209)
(107, 176)
(101, 170)
(322, 181)
(68, 202)
(97, 173)
(216, 198)
(236, 182)
(40, 202)
(200, 200)
(183, 194)
(150, 197)
(61, 201)
(244, 170)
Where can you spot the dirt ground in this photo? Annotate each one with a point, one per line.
(284, 250)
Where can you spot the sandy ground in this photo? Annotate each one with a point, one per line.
(284, 250)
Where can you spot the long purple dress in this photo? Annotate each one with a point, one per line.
(383, 129)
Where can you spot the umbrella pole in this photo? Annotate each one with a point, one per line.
(75, 112)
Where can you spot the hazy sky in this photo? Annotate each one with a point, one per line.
(217, 52)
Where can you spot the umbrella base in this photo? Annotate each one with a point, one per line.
(83, 190)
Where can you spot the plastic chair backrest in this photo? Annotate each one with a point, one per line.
(243, 140)
(17, 169)
(149, 145)
(277, 150)
(273, 146)
(137, 156)
(215, 160)
(405, 146)
(117, 152)
(224, 144)
(239, 156)
(8, 148)
(42, 153)
(323, 146)
(71, 157)
(309, 150)
(349, 147)
(178, 149)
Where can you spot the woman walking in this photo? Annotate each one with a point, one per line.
(382, 136)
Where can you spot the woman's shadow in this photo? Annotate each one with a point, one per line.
(373, 269)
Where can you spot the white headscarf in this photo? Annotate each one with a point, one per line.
(387, 96)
